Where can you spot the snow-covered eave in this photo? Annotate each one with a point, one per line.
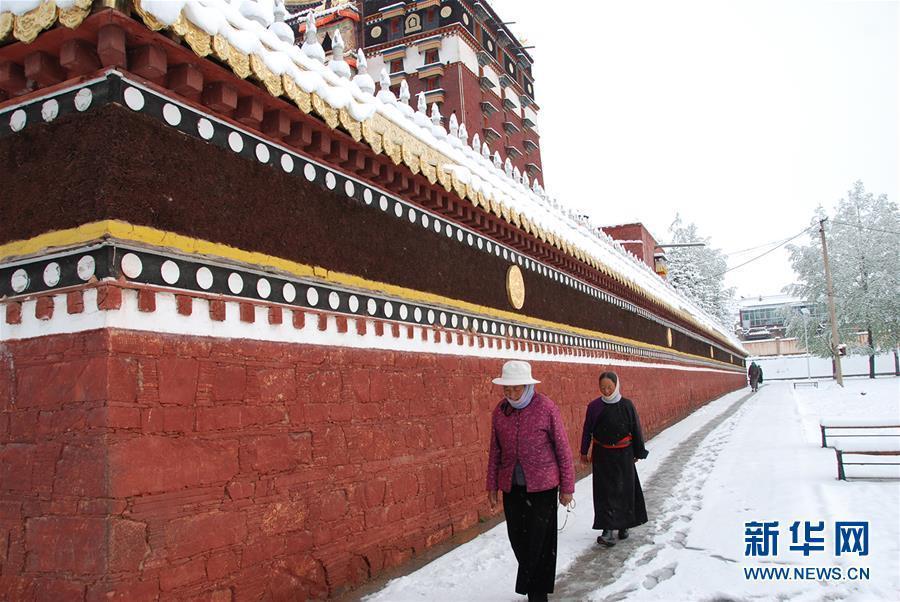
(392, 127)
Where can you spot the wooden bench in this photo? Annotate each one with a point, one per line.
(806, 383)
(880, 456)
(858, 427)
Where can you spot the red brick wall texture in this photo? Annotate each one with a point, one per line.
(136, 466)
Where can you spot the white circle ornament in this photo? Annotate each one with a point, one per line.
(235, 142)
(309, 171)
(334, 300)
(446, 12)
(134, 99)
(287, 163)
(19, 280)
(289, 292)
(376, 32)
(367, 196)
(171, 114)
(262, 153)
(132, 265)
(86, 267)
(52, 274)
(170, 271)
(18, 120)
(353, 303)
(235, 283)
(204, 278)
(263, 288)
(330, 181)
(388, 309)
(372, 307)
(50, 110)
(312, 296)
(349, 188)
(83, 99)
(205, 128)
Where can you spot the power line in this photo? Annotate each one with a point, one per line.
(742, 251)
(865, 227)
(781, 244)
(761, 255)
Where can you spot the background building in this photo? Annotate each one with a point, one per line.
(468, 62)
(331, 16)
(765, 317)
(638, 240)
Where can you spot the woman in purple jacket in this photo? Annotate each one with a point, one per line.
(612, 424)
(531, 462)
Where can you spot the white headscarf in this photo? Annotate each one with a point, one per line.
(615, 397)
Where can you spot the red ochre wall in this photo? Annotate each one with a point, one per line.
(134, 465)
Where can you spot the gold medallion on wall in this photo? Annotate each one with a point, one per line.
(515, 287)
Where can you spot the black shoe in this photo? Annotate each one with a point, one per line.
(623, 533)
(536, 597)
(606, 538)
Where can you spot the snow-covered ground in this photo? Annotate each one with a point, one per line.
(738, 460)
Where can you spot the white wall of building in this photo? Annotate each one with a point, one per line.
(794, 366)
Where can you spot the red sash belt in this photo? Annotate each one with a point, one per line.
(623, 442)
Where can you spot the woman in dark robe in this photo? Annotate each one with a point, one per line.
(612, 425)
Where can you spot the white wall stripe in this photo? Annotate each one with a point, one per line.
(167, 320)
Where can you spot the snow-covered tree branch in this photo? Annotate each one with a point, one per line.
(863, 242)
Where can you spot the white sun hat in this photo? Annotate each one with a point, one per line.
(515, 373)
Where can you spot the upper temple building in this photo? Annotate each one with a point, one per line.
(459, 53)
(465, 59)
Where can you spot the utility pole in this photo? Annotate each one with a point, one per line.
(838, 375)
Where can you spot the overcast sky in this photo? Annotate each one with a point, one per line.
(742, 116)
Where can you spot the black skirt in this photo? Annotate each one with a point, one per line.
(618, 498)
(531, 526)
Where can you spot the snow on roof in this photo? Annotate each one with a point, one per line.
(770, 300)
(319, 11)
(259, 30)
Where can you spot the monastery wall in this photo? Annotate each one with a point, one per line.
(248, 321)
(134, 464)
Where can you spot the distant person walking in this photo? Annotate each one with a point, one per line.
(754, 373)
(531, 462)
(612, 425)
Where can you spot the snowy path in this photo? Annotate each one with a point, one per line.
(738, 459)
(675, 487)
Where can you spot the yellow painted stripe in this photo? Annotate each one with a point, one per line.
(119, 230)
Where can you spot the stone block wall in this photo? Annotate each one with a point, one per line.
(135, 465)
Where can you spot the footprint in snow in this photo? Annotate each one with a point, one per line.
(654, 578)
(648, 556)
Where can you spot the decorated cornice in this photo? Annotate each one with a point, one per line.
(27, 26)
(136, 257)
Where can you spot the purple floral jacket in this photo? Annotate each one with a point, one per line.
(536, 438)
